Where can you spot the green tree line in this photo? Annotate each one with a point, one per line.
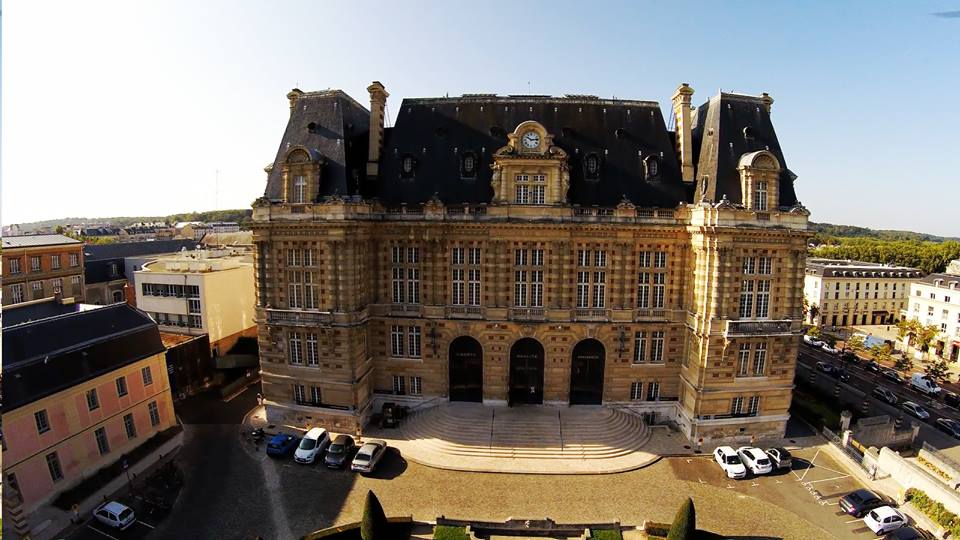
(925, 255)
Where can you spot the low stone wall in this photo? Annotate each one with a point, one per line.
(942, 469)
(910, 475)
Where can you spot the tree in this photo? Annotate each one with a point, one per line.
(937, 370)
(856, 343)
(374, 525)
(903, 363)
(684, 525)
(925, 334)
(59, 229)
(906, 329)
(814, 332)
(814, 311)
(880, 353)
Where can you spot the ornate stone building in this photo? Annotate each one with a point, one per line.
(531, 249)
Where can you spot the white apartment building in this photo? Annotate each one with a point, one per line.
(201, 292)
(935, 300)
(848, 293)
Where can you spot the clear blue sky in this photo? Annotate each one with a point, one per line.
(131, 108)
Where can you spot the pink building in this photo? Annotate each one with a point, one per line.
(81, 389)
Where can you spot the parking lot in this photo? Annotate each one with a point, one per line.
(811, 488)
(93, 529)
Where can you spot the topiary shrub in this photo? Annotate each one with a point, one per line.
(374, 525)
(685, 523)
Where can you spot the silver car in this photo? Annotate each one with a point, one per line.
(915, 410)
(368, 456)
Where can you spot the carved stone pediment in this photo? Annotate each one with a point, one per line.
(530, 169)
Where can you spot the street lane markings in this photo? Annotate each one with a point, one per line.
(146, 524)
(826, 479)
(809, 466)
(92, 528)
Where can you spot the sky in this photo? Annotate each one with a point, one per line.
(153, 108)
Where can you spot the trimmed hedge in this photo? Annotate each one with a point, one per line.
(685, 523)
(447, 532)
(605, 534)
(934, 510)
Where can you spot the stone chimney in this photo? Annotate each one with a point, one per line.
(378, 102)
(684, 138)
(767, 101)
(293, 96)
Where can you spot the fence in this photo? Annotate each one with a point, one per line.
(857, 454)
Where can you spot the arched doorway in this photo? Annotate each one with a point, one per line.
(586, 373)
(466, 370)
(526, 372)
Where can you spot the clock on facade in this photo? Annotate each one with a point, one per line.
(531, 139)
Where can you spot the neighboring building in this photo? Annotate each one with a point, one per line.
(935, 299)
(954, 267)
(200, 292)
(82, 389)
(189, 365)
(849, 293)
(222, 227)
(109, 268)
(241, 239)
(531, 249)
(139, 232)
(38, 266)
(194, 230)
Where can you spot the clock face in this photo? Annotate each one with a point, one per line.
(531, 139)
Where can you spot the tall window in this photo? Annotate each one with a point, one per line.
(295, 289)
(466, 276)
(75, 285)
(296, 349)
(299, 393)
(154, 413)
(639, 347)
(398, 385)
(396, 341)
(659, 289)
(759, 359)
(93, 400)
(74, 259)
(415, 386)
(458, 277)
(37, 288)
(528, 278)
(43, 423)
(315, 395)
(103, 445)
(121, 386)
(649, 263)
(16, 293)
(754, 290)
(14, 266)
(129, 426)
(53, 465)
(473, 277)
(55, 261)
(760, 196)
(736, 405)
(299, 189)
(656, 347)
(636, 390)
(406, 275)
(313, 358)
(591, 278)
(35, 263)
(743, 361)
(643, 290)
(754, 405)
(653, 391)
(413, 341)
(147, 375)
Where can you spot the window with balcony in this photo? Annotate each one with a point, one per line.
(591, 278)
(528, 278)
(406, 275)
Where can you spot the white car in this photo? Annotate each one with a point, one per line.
(314, 443)
(114, 514)
(730, 462)
(832, 350)
(810, 340)
(368, 456)
(915, 410)
(884, 519)
(755, 459)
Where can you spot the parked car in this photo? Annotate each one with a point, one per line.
(872, 366)
(858, 503)
(281, 445)
(925, 384)
(915, 410)
(884, 519)
(339, 452)
(730, 462)
(755, 460)
(949, 426)
(840, 373)
(313, 444)
(893, 376)
(885, 395)
(780, 458)
(826, 367)
(951, 399)
(908, 533)
(368, 456)
(115, 515)
(850, 356)
(830, 348)
(812, 341)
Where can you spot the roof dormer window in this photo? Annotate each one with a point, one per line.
(468, 165)
(591, 167)
(407, 166)
(652, 167)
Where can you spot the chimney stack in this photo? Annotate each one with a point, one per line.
(378, 102)
(293, 96)
(684, 138)
(767, 101)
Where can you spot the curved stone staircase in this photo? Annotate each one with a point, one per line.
(526, 439)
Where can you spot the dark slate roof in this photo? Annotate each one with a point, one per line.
(98, 257)
(33, 240)
(437, 131)
(945, 280)
(717, 155)
(339, 134)
(43, 357)
(15, 314)
(852, 269)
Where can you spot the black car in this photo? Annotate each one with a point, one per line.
(339, 452)
(893, 376)
(849, 356)
(884, 395)
(949, 426)
(780, 458)
(826, 367)
(858, 503)
(951, 399)
(840, 373)
(872, 366)
(907, 533)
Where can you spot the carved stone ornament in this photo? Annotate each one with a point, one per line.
(799, 209)
(434, 201)
(260, 202)
(626, 204)
(725, 203)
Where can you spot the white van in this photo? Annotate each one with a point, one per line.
(314, 443)
(924, 384)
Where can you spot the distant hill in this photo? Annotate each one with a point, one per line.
(241, 216)
(826, 230)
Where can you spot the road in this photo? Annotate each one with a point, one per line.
(865, 381)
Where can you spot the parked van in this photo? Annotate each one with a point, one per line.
(314, 443)
(924, 384)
